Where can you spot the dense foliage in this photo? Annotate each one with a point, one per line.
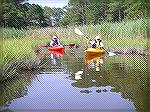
(84, 12)
(21, 15)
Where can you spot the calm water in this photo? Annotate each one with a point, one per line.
(73, 82)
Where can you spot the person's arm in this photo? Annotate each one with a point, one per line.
(101, 44)
(58, 43)
(92, 42)
(51, 43)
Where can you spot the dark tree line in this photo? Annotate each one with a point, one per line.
(20, 15)
(84, 12)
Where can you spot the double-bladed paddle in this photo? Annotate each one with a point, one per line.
(77, 31)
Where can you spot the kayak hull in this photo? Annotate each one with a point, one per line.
(58, 48)
(93, 51)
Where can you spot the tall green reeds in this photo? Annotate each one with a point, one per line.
(18, 44)
(120, 34)
(17, 47)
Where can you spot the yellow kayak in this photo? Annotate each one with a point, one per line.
(94, 51)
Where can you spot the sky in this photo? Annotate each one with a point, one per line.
(50, 3)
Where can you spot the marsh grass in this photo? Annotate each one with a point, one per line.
(19, 44)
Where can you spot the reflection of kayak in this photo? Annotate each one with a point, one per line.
(93, 51)
(89, 58)
(58, 48)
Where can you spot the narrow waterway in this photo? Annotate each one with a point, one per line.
(75, 82)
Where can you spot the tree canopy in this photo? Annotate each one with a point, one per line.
(84, 12)
(19, 14)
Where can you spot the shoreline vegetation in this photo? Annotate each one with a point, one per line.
(19, 47)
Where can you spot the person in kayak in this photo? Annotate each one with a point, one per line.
(54, 41)
(96, 43)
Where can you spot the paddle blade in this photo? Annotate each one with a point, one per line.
(77, 31)
(111, 54)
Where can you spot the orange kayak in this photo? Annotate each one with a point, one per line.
(57, 48)
(59, 53)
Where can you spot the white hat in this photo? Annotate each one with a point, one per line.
(97, 37)
(54, 37)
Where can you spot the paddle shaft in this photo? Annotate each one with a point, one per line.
(77, 31)
(105, 50)
(58, 45)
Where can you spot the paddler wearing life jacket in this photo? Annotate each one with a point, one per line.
(54, 41)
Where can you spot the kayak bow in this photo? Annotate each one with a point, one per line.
(57, 48)
(95, 51)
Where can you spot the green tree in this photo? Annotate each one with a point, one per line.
(96, 11)
(35, 15)
(47, 14)
(84, 12)
(1, 17)
(12, 16)
(117, 10)
(136, 9)
(57, 14)
(133, 9)
(18, 15)
(78, 10)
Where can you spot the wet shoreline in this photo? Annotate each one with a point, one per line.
(130, 50)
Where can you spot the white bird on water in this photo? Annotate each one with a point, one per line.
(78, 75)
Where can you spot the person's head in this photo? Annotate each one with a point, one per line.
(54, 38)
(97, 38)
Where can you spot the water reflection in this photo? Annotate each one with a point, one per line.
(53, 62)
(126, 75)
(99, 82)
(54, 58)
(15, 88)
(78, 75)
(94, 61)
(85, 91)
(55, 55)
